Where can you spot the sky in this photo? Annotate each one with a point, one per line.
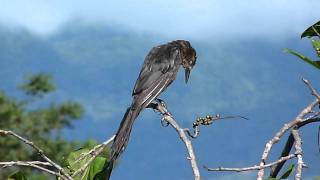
(231, 75)
(186, 18)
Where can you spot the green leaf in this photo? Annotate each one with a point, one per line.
(38, 85)
(71, 109)
(19, 175)
(91, 143)
(316, 46)
(311, 31)
(288, 172)
(304, 58)
(96, 167)
(73, 165)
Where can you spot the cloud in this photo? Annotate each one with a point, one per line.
(196, 19)
(37, 15)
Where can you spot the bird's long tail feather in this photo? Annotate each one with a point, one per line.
(122, 137)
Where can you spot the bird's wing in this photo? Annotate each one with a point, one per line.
(157, 73)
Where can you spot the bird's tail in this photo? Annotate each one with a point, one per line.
(122, 137)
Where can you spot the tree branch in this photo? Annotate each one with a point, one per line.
(312, 89)
(256, 167)
(280, 133)
(61, 171)
(33, 164)
(294, 138)
(12, 163)
(298, 120)
(288, 146)
(161, 107)
(298, 143)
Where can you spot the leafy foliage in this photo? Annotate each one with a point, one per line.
(93, 169)
(73, 165)
(42, 125)
(313, 30)
(316, 46)
(18, 176)
(38, 85)
(286, 174)
(304, 58)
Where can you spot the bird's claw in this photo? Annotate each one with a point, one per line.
(164, 123)
(161, 102)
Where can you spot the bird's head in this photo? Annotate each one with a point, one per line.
(188, 56)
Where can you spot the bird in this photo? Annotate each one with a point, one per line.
(159, 70)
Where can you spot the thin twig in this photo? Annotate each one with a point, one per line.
(281, 132)
(33, 164)
(94, 152)
(12, 163)
(311, 88)
(296, 121)
(298, 143)
(288, 146)
(183, 136)
(40, 152)
(256, 167)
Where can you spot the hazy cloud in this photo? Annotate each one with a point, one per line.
(197, 19)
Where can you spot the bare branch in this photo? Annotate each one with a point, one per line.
(94, 152)
(295, 124)
(256, 167)
(275, 170)
(12, 163)
(288, 146)
(280, 133)
(298, 143)
(298, 122)
(40, 152)
(160, 106)
(34, 164)
(312, 89)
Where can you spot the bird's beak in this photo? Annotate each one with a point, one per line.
(187, 74)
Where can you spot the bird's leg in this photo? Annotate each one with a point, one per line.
(154, 104)
(159, 101)
(164, 123)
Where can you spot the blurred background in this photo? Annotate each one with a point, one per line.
(92, 52)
